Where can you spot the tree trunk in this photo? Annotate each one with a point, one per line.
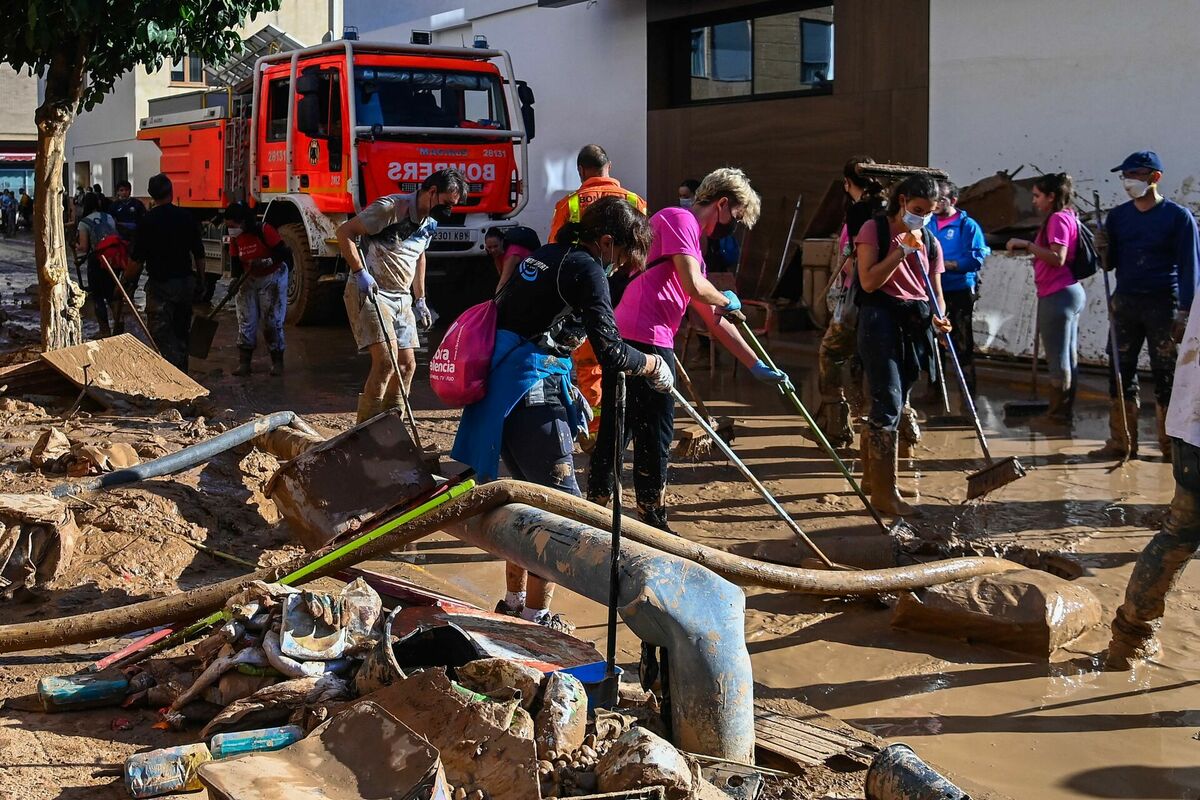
(60, 297)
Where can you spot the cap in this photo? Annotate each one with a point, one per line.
(1142, 159)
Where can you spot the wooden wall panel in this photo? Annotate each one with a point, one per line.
(879, 107)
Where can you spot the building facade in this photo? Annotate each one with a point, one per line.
(102, 144)
(18, 131)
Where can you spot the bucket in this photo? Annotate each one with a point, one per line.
(898, 773)
(592, 676)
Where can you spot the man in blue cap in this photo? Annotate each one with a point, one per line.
(1153, 246)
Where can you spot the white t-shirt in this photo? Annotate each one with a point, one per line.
(395, 241)
(1183, 415)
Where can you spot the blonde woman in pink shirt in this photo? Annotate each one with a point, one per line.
(1060, 297)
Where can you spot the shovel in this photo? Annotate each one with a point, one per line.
(430, 457)
(1114, 358)
(204, 329)
(128, 302)
(899, 527)
(996, 473)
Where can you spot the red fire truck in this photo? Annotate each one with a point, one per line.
(315, 134)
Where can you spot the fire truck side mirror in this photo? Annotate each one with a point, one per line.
(525, 95)
(308, 115)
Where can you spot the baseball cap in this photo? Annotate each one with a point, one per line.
(1142, 159)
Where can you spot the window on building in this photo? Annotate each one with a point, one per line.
(277, 109)
(120, 171)
(768, 49)
(188, 71)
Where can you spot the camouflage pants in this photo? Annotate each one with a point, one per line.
(1145, 319)
(839, 369)
(169, 316)
(1162, 562)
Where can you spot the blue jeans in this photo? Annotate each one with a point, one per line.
(1058, 323)
(538, 442)
(890, 369)
(262, 300)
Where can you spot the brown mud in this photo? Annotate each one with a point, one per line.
(991, 718)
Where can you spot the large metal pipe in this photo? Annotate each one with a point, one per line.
(669, 602)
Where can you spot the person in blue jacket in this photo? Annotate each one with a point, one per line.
(1152, 245)
(963, 253)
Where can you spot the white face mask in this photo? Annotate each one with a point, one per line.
(686, 202)
(914, 222)
(234, 232)
(1135, 188)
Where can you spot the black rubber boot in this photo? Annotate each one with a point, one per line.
(244, 356)
(656, 517)
(276, 362)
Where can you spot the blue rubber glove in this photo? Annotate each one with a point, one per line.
(734, 304)
(765, 374)
(366, 283)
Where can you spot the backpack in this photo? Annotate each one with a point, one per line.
(115, 251)
(1086, 260)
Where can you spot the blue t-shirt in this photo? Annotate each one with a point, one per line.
(1154, 251)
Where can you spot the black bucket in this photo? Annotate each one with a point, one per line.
(898, 773)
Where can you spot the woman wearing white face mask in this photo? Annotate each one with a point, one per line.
(894, 331)
(1060, 297)
(258, 251)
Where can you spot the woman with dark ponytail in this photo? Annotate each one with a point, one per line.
(531, 413)
(1060, 297)
(839, 370)
(894, 324)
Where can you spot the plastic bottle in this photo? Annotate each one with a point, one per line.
(85, 690)
(172, 769)
(224, 745)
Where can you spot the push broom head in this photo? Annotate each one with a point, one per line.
(992, 477)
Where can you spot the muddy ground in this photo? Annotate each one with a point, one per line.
(997, 720)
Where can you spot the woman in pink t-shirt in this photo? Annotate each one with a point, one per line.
(648, 317)
(895, 324)
(1060, 297)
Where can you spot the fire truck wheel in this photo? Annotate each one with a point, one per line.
(308, 299)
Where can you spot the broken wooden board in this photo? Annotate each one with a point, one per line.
(34, 377)
(123, 371)
(806, 743)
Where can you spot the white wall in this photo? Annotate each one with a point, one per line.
(1069, 85)
(1072, 85)
(585, 63)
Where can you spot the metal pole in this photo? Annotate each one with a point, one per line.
(614, 587)
(788, 241)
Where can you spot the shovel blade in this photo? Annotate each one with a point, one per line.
(991, 478)
(200, 339)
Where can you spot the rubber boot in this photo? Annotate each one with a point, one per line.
(1154, 575)
(833, 417)
(276, 362)
(392, 400)
(884, 464)
(909, 431)
(656, 517)
(368, 407)
(864, 483)
(1059, 412)
(1118, 444)
(245, 354)
(105, 329)
(1164, 441)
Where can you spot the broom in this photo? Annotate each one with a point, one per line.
(1034, 405)
(997, 473)
(696, 444)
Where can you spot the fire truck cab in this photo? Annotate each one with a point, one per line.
(318, 133)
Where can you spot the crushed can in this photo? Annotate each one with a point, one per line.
(172, 769)
(224, 745)
(85, 690)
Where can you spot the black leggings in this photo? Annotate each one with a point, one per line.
(649, 421)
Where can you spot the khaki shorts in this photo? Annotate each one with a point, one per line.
(396, 308)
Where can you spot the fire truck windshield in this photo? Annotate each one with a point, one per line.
(425, 98)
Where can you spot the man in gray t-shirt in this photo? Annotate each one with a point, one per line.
(388, 279)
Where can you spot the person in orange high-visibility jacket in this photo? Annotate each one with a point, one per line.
(593, 165)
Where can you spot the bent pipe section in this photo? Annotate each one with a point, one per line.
(188, 457)
(666, 601)
(185, 607)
